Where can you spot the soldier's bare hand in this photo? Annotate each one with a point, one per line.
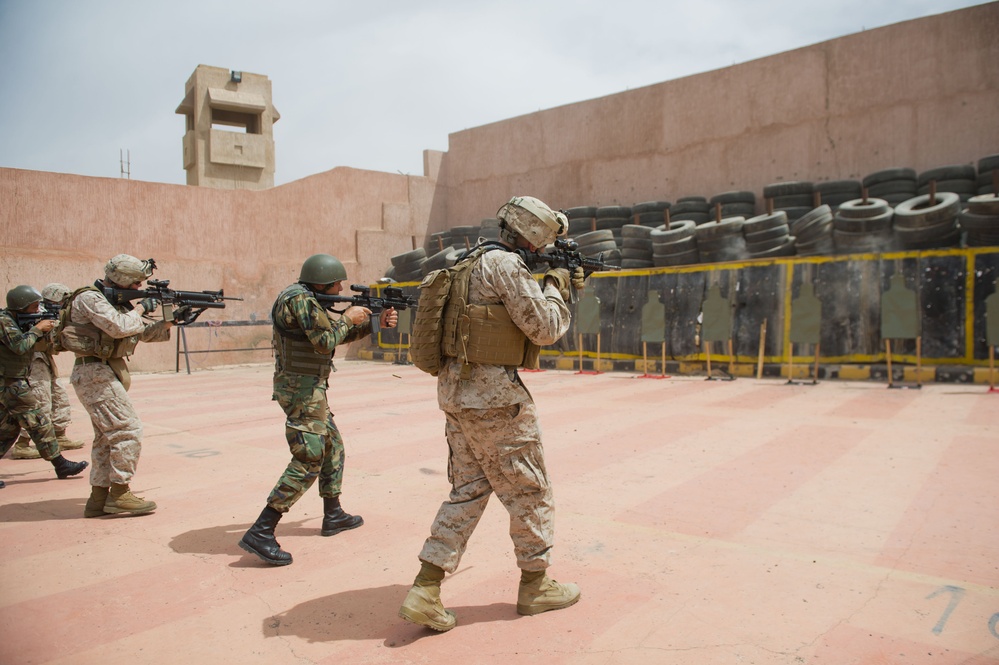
(390, 318)
(45, 325)
(357, 315)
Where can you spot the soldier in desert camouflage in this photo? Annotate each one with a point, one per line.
(491, 423)
(305, 340)
(43, 379)
(103, 335)
(19, 408)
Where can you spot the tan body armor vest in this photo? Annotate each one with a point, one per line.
(86, 339)
(293, 351)
(13, 366)
(482, 334)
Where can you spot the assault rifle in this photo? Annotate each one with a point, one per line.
(566, 255)
(26, 321)
(392, 297)
(189, 304)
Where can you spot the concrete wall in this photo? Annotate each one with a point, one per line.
(56, 227)
(919, 94)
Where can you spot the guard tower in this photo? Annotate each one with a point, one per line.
(229, 141)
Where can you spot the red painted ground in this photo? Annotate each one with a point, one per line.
(706, 523)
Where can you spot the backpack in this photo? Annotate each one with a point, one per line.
(427, 336)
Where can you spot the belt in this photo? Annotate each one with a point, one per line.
(86, 360)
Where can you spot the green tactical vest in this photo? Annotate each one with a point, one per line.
(13, 366)
(294, 352)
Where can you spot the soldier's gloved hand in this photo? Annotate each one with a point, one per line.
(149, 304)
(183, 315)
(577, 278)
(560, 278)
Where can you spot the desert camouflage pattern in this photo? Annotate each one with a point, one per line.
(313, 438)
(492, 427)
(52, 398)
(502, 277)
(117, 428)
(124, 270)
(495, 450)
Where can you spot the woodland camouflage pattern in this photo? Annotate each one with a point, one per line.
(18, 406)
(313, 438)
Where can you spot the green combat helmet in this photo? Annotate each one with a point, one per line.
(322, 269)
(22, 297)
(125, 270)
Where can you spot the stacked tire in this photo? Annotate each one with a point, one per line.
(612, 218)
(795, 198)
(651, 213)
(721, 241)
(958, 179)
(986, 180)
(862, 226)
(582, 219)
(835, 193)
(924, 224)
(600, 243)
(438, 240)
(489, 229)
(464, 237)
(676, 245)
(813, 232)
(442, 259)
(733, 204)
(893, 185)
(767, 235)
(695, 209)
(980, 221)
(636, 246)
(408, 267)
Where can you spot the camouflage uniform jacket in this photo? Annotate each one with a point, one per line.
(19, 343)
(93, 308)
(302, 312)
(502, 277)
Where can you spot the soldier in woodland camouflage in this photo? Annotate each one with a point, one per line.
(43, 379)
(305, 341)
(102, 336)
(491, 423)
(19, 409)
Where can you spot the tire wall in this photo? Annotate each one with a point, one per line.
(849, 288)
(918, 94)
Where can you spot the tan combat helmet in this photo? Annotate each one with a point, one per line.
(533, 220)
(56, 292)
(125, 270)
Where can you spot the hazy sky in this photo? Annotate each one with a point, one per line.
(363, 84)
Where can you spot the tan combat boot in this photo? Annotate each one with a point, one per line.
(423, 602)
(24, 448)
(121, 500)
(539, 593)
(66, 443)
(95, 504)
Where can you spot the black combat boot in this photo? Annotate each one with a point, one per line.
(335, 520)
(64, 468)
(260, 539)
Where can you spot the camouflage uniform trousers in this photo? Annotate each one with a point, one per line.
(314, 440)
(19, 409)
(51, 396)
(495, 450)
(117, 428)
